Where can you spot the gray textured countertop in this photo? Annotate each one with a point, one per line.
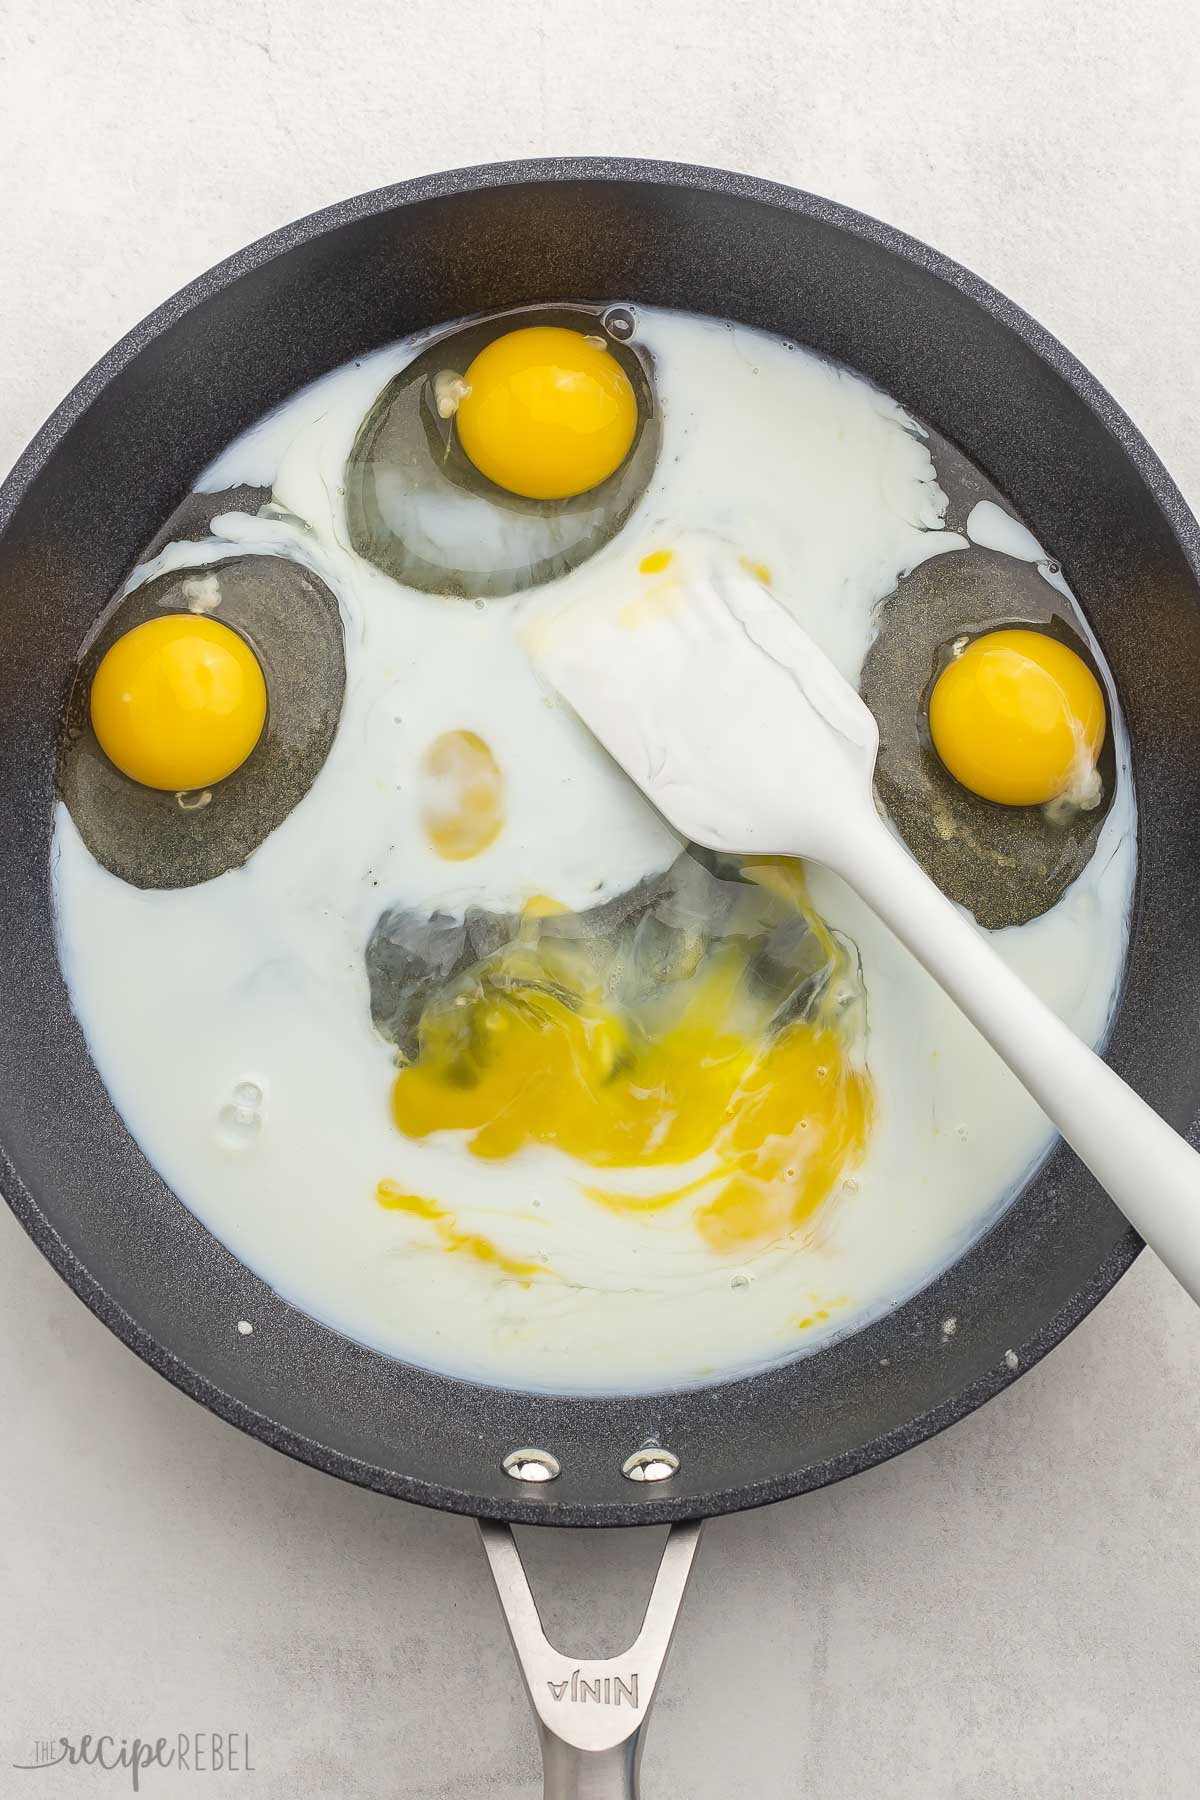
(1012, 1610)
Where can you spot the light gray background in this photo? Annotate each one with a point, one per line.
(1013, 1610)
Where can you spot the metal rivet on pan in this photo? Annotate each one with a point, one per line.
(651, 1463)
(532, 1465)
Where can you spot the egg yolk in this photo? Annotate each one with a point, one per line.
(656, 562)
(1018, 718)
(393, 1198)
(548, 413)
(760, 1123)
(179, 702)
(461, 795)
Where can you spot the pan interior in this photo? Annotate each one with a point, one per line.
(124, 452)
(674, 1118)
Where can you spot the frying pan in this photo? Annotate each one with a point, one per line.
(122, 451)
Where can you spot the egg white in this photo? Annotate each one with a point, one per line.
(231, 1022)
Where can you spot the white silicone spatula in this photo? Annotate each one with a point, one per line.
(747, 739)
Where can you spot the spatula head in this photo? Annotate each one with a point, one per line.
(717, 703)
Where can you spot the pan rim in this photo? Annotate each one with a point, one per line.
(646, 1508)
(599, 1515)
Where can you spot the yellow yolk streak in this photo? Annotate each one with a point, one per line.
(785, 1124)
(819, 1314)
(461, 795)
(542, 906)
(659, 600)
(773, 1118)
(656, 562)
(468, 1243)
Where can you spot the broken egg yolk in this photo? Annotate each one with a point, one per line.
(751, 1125)
(1017, 717)
(546, 413)
(179, 702)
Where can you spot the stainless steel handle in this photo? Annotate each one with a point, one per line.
(591, 1715)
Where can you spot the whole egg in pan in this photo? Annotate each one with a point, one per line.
(451, 485)
(1006, 863)
(152, 805)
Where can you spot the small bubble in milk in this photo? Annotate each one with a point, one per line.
(239, 1121)
(238, 1127)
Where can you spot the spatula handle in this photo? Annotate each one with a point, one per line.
(1147, 1168)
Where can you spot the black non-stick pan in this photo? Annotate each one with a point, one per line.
(91, 492)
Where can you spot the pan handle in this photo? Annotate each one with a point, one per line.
(591, 1715)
